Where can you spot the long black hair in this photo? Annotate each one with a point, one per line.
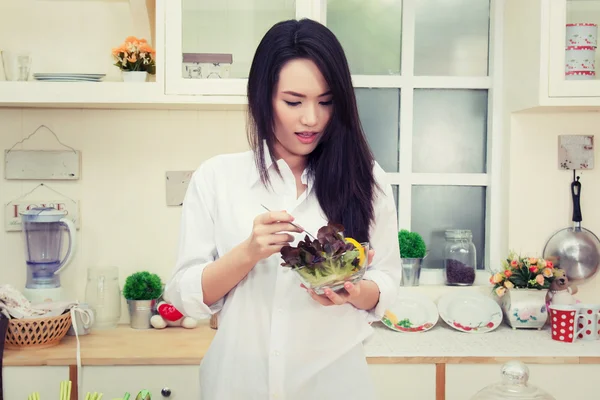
(342, 164)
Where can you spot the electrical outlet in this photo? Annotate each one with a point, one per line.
(575, 151)
(176, 185)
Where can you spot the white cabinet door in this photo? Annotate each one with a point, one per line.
(20, 382)
(463, 381)
(113, 381)
(404, 381)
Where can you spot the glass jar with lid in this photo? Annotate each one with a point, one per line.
(460, 259)
(514, 385)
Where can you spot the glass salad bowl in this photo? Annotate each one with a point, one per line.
(329, 261)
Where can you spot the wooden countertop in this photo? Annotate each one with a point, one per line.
(178, 346)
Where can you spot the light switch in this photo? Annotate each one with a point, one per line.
(176, 185)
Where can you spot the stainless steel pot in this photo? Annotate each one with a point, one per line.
(575, 250)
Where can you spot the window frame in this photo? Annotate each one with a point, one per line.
(494, 179)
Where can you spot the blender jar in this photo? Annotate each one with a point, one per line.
(103, 295)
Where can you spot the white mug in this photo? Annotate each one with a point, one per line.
(589, 321)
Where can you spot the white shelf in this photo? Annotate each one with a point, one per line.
(106, 95)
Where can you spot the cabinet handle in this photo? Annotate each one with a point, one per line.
(166, 392)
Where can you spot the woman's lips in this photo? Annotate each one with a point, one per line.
(306, 137)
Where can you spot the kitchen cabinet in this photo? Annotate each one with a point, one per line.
(563, 381)
(404, 381)
(535, 55)
(19, 382)
(163, 381)
(233, 28)
(175, 382)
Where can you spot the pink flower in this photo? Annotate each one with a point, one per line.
(540, 279)
(533, 269)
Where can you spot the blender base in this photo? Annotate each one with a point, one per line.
(43, 295)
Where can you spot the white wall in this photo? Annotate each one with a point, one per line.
(124, 217)
(540, 194)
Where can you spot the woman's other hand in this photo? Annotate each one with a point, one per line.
(270, 234)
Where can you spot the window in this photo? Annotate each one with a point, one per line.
(424, 75)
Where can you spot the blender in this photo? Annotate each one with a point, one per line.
(43, 229)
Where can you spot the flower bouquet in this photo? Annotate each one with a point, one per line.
(135, 55)
(328, 261)
(524, 273)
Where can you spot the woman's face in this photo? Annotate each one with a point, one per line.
(302, 108)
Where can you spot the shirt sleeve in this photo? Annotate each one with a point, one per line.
(197, 247)
(386, 268)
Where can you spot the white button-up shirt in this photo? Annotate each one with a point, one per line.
(274, 341)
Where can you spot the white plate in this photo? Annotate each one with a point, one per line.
(470, 312)
(67, 79)
(67, 75)
(411, 313)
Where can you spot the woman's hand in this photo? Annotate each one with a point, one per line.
(353, 293)
(269, 234)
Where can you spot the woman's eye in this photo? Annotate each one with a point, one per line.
(327, 103)
(292, 103)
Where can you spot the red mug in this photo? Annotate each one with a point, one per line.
(563, 323)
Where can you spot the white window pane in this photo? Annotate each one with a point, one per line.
(370, 32)
(379, 111)
(231, 27)
(451, 37)
(437, 208)
(450, 131)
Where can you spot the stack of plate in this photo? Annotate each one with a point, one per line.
(68, 77)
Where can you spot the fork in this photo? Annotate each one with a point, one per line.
(291, 223)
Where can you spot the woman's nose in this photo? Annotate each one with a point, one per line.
(309, 118)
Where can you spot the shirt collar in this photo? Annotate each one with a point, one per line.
(255, 175)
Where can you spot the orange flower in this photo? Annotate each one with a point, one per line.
(547, 272)
(508, 285)
(514, 263)
(532, 260)
(508, 273)
(500, 291)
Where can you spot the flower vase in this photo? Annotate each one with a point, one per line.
(525, 308)
(134, 76)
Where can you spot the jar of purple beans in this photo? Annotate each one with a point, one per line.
(460, 260)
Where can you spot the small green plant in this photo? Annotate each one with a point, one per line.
(142, 286)
(412, 244)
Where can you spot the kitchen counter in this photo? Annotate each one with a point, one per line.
(441, 345)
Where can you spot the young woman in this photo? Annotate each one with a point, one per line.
(310, 164)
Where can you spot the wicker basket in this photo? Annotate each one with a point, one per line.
(37, 333)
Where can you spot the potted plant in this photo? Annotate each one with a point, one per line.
(412, 251)
(135, 58)
(141, 290)
(521, 286)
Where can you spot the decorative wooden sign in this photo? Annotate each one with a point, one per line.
(42, 164)
(12, 210)
(576, 151)
(176, 186)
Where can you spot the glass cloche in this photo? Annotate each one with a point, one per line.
(514, 385)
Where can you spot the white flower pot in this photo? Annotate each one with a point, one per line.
(525, 308)
(134, 76)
